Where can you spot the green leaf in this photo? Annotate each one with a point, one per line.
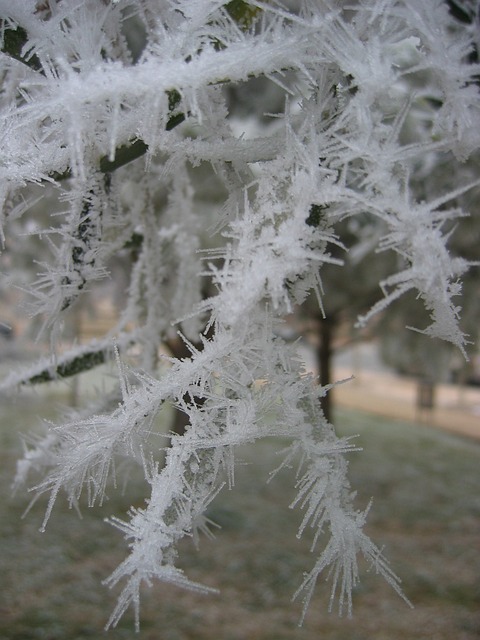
(242, 12)
(13, 42)
(315, 214)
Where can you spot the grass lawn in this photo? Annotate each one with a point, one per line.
(426, 514)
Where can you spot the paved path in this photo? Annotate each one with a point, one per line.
(457, 409)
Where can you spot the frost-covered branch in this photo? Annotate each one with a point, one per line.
(226, 202)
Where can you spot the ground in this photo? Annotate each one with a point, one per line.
(426, 514)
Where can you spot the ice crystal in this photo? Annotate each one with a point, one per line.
(124, 113)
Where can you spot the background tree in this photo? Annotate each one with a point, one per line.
(115, 120)
(350, 290)
(353, 289)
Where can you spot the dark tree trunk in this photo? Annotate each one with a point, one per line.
(179, 349)
(324, 361)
